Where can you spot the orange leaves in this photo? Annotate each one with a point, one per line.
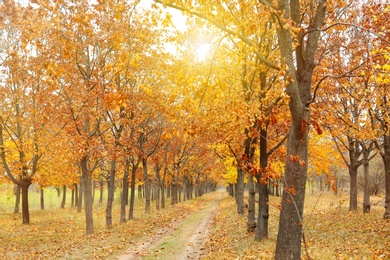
(316, 127)
(290, 190)
(297, 158)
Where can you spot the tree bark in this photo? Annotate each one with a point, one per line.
(366, 185)
(132, 191)
(300, 61)
(146, 185)
(291, 215)
(101, 192)
(263, 212)
(386, 160)
(240, 191)
(87, 187)
(63, 197)
(76, 197)
(17, 198)
(110, 193)
(25, 184)
(80, 196)
(163, 188)
(174, 187)
(72, 198)
(42, 198)
(353, 188)
(251, 223)
(125, 191)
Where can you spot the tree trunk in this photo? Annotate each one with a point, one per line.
(72, 198)
(179, 190)
(174, 188)
(42, 198)
(230, 190)
(251, 223)
(263, 212)
(132, 192)
(386, 160)
(300, 61)
(101, 192)
(169, 190)
(146, 185)
(278, 188)
(125, 191)
(366, 187)
(17, 198)
(25, 184)
(87, 187)
(76, 197)
(93, 190)
(79, 197)
(163, 189)
(291, 215)
(240, 191)
(110, 194)
(63, 197)
(353, 188)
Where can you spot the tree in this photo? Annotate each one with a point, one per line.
(25, 129)
(375, 19)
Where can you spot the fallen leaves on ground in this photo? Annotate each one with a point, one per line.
(60, 233)
(332, 232)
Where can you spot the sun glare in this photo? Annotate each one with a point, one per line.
(202, 51)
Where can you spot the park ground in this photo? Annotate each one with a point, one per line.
(203, 228)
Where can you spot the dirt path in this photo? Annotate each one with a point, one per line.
(180, 240)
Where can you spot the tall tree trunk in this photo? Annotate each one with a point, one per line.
(251, 222)
(110, 193)
(301, 61)
(80, 196)
(72, 198)
(42, 198)
(278, 188)
(76, 195)
(63, 197)
(174, 187)
(101, 192)
(87, 187)
(163, 188)
(17, 198)
(291, 215)
(386, 160)
(240, 191)
(366, 185)
(125, 191)
(353, 188)
(93, 190)
(25, 184)
(132, 192)
(146, 184)
(263, 212)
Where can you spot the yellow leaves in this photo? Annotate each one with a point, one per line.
(386, 67)
(146, 89)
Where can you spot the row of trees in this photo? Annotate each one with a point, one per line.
(330, 58)
(87, 85)
(85, 92)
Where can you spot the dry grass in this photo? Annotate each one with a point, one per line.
(60, 233)
(332, 232)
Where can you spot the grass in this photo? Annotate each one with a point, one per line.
(60, 233)
(332, 232)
